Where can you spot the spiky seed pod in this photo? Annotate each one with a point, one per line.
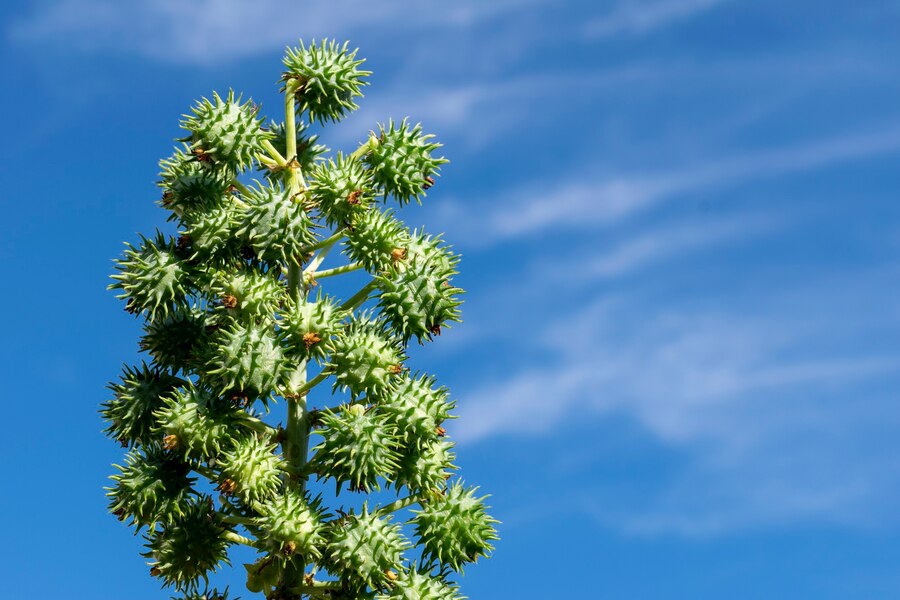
(276, 227)
(363, 548)
(177, 341)
(189, 548)
(401, 161)
(455, 528)
(309, 150)
(417, 408)
(342, 189)
(246, 359)
(424, 468)
(152, 487)
(192, 185)
(358, 447)
(152, 278)
(248, 294)
(426, 249)
(212, 234)
(377, 240)
(419, 300)
(289, 523)
(197, 424)
(139, 392)
(325, 79)
(253, 468)
(225, 132)
(309, 326)
(365, 357)
(412, 585)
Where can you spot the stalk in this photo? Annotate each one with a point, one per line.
(296, 436)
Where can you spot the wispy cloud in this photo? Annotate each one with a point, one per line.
(583, 203)
(752, 397)
(633, 17)
(214, 31)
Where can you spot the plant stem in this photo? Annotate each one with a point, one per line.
(304, 389)
(364, 148)
(235, 519)
(396, 505)
(338, 234)
(336, 271)
(296, 435)
(359, 297)
(239, 539)
(274, 154)
(241, 187)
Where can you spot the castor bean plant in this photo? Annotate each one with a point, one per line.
(238, 325)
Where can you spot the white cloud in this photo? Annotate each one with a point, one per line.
(213, 31)
(757, 398)
(639, 17)
(581, 203)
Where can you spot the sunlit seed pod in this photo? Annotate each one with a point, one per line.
(365, 357)
(342, 189)
(253, 467)
(247, 359)
(324, 79)
(152, 487)
(291, 519)
(274, 225)
(185, 551)
(362, 548)
(374, 239)
(413, 585)
(152, 278)
(358, 447)
(454, 528)
(139, 392)
(225, 132)
(401, 161)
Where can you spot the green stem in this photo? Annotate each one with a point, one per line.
(327, 242)
(364, 148)
(239, 539)
(335, 271)
(274, 154)
(260, 427)
(359, 297)
(395, 506)
(241, 187)
(304, 389)
(234, 519)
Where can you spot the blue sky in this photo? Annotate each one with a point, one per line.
(677, 374)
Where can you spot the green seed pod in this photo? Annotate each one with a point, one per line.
(290, 524)
(251, 469)
(454, 528)
(359, 447)
(226, 133)
(365, 357)
(139, 392)
(189, 548)
(211, 234)
(417, 408)
(246, 359)
(192, 185)
(308, 150)
(152, 278)
(308, 327)
(152, 487)
(324, 79)
(419, 300)
(412, 585)
(276, 227)
(248, 294)
(198, 424)
(177, 341)
(401, 161)
(377, 240)
(426, 467)
(342, 189)
(425, 249)
(364, 548)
